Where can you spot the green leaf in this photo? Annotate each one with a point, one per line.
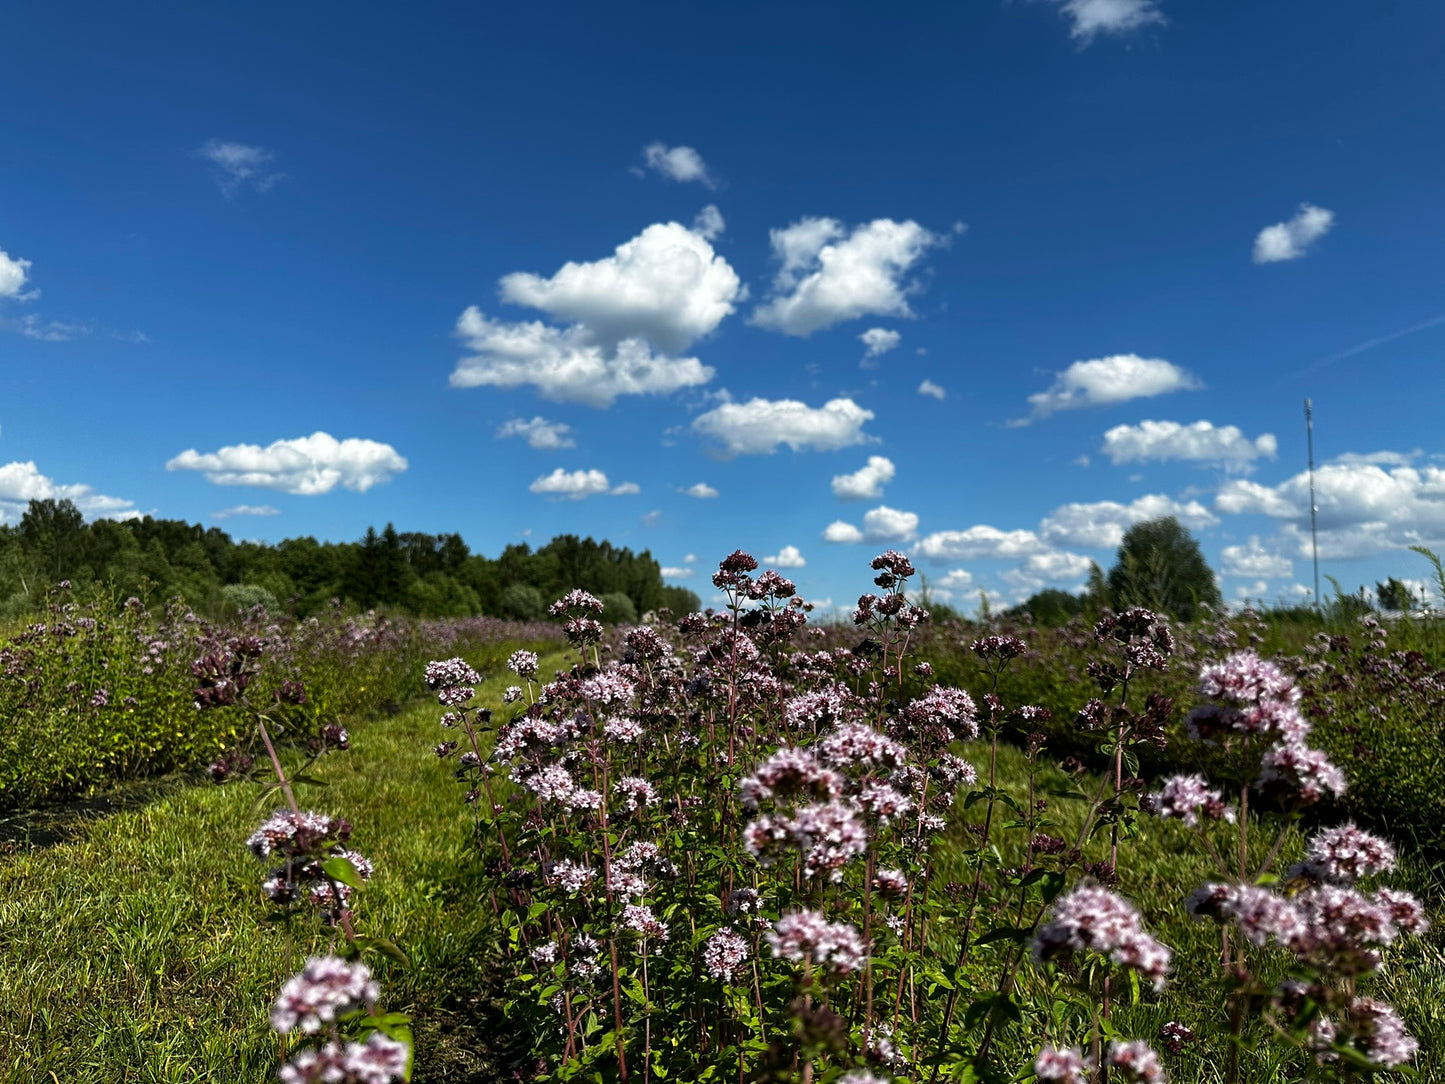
(310, 780)
(341, 869)
(1003, 933)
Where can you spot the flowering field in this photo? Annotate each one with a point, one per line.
(736, 846)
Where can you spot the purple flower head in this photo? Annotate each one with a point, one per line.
(1188, 797)
(576, 600)
(1093, 919)
(293, 835)
(1302, 773)
(1135, 1063)
(998, 648)
(802, 935)
(1345, 854)
(789, 772)
(327, 987)
(893, 563)
(1062, 1065)
(1380, 1034)
(640, 919)
(724, 955)
(1176, 1036)
(379, 1060)
(450, 673)
(523, 663)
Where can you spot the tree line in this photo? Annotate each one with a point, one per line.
(424, 575)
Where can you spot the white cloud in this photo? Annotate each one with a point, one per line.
(879, 341)
(246, 510)
(980, 541)
(653, 518)
(828, 275)
(758, 426)
(627, 314)
(1201, 442)
(21, 483)
(881, 524)
(666, 285)
(1366, 504)
(701, 490)
(843, 533)
(564, 364)
(956, 578)
(49, 331)
(691, 558)
(787, 557)
(672, 572)
(1089, 18)
(578, 484)
(14, 273)
(708, 223)
(1291, 240)
(677, 163)
(239, 165)
(539, 433)
(1254, 560)
(928, 387)
(867, 482)
(305, 466)
(1114, 379)
(1058, 565)
(1101, 524)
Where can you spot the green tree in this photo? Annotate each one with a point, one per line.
(1394, 595)
(617, 609)
(1159, 565)
(54, 532)
(1051, 607)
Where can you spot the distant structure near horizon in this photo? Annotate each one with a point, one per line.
(1314, 511)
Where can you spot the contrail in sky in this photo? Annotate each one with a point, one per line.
(1370, 344)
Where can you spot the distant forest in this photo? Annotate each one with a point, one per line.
(407, 572)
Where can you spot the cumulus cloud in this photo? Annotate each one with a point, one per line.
(577, 485)
(828, 274)
(1057, 565)
(239, 165)
(787, 557)
(1290, 240)
(1114, 379)
(867, 482)
(305, 466)
(246, 510)
(677, 163)
(564, 364)
(701, 490)
(928, 387)
(674, 572)
(627, 316)
(842, 533)
(759, 426)
(878, 341)
(1090, 18)
(1254, 560)
(539, 433)
(22, 482)
(881, 524)
(1200, 442)
(666, 285)
(1366, 504)
(14, 273)
(980, 540)
(1101, 524)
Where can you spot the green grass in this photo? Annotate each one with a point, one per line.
(137, 952)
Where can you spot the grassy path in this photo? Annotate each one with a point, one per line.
(138, 951)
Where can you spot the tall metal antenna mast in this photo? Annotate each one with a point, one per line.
(1314, 511)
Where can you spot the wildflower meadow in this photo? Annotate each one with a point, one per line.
(738, 844)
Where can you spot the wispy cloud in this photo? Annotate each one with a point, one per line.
(1290, 240)
(239, 165)
(678, 164)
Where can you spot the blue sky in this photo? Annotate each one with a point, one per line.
(569, 268)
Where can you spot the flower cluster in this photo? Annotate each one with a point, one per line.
(806, 936)
(1093, 919)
